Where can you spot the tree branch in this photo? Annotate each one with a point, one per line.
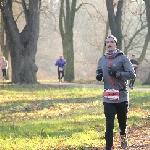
(135, 34)
(26, 12)
(83, 4)
(61, 15)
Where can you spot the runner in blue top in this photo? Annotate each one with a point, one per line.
(61, 62)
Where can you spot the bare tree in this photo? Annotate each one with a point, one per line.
(66, 24)
(135, 22)
(22, 46)
(147, 4)
(115, 19)
(2, 33)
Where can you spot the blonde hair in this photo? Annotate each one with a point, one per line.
(3, 57)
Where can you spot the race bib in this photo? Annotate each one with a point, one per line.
(60, 69)
(112, 94)
(134, 65)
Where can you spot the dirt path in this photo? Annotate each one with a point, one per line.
(87, 85)
(72, 84)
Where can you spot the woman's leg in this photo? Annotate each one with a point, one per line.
(59, 75)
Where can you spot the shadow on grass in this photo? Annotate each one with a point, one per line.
(29, 105)
(59, 127)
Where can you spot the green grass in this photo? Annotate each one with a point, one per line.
(35, 117)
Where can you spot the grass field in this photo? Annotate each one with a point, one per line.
(44, 117)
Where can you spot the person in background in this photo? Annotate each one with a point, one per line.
(61, 62)
(4, 66)
(114, 69)
(135, 66)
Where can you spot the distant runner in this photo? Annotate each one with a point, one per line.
(4, 66)
(135, 66)
(61, 62)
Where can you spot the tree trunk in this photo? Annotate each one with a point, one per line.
(115, 20)
(2, 33)
(111, 16)
(66, 24)
(22, 46)
(68, 51)
(106, 34)
(143, 54)
(147, 80)
(147, 4)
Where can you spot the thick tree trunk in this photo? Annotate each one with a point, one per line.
(147, 80)
(145, 46)
(147, 4)
(2, 33)
(115, 20)
(111, 16)
(69, 54)
(23, 67)
(66, 24)
(23, 46)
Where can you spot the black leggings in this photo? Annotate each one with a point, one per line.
(131, 82)
(4, 72)
(110, 110)
(60, 74)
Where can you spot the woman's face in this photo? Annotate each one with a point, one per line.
(110, 44)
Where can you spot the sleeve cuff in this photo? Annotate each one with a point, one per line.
(118, 74)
